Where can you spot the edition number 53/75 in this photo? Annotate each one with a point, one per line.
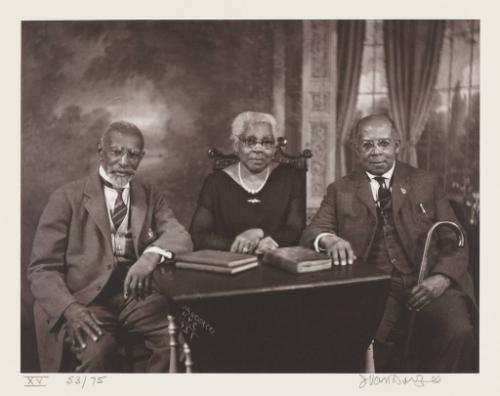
(83, 380)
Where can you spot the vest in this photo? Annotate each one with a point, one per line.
(124, 256)
(386, 251)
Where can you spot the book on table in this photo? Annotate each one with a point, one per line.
(217, 268)
(216, 257)
(216, 261)
(297, 259)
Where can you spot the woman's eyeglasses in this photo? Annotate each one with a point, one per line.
(251, 142)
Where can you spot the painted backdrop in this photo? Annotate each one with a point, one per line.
(181, 82)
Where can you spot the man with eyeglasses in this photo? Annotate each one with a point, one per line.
(97, 244)
(381, 214)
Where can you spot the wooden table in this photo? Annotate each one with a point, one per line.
(268, 320)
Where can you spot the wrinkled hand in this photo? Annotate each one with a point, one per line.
(81, 324)
(339, 249)
(430, 289)
(266, 244)
(137, 283)
(247, 241)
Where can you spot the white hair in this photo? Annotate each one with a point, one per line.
(247, 118)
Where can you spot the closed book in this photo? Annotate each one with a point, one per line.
(297, 259)
(217, 268)
(216, 257)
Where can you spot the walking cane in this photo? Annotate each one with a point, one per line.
(421, 275)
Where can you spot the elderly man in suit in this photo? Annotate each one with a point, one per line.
(97, 243)
(381, 214)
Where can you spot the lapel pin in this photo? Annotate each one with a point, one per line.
(403, 190)
(151, 234)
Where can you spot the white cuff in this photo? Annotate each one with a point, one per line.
(155, 249)
(316, 241)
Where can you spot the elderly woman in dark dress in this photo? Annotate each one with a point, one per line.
(255, 204)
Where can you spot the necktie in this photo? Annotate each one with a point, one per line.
(120, 209)
(384, 194)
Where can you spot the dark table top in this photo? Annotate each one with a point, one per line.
(185, 285)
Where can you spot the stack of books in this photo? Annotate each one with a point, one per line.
(216, 261)
(297, 259)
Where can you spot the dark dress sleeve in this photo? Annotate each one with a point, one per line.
(202, 227)
(289, 233)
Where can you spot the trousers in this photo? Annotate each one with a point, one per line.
(444, 340)
(138, 319)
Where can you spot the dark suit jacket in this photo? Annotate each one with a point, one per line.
(72, 255)
(348, 210)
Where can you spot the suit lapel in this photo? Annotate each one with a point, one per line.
(400, 187)
(96, 206)
(137, 211)
(364, 192)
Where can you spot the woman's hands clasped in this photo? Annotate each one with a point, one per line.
(253, 241)
(247, 241)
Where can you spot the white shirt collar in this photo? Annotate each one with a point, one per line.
(105, 176)
(387, 175)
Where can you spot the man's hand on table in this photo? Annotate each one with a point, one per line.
(338, 249)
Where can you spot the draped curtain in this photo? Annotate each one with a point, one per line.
(412, 53)
(350, 40)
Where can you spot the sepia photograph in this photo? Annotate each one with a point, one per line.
(250, 196)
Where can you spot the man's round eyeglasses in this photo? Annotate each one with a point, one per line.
(382, 144)
(119, 152)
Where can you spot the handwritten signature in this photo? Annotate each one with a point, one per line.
(190, 322)
(417, 380)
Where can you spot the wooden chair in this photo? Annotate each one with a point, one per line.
(178, 357)
(299, 161)
(221, 160)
